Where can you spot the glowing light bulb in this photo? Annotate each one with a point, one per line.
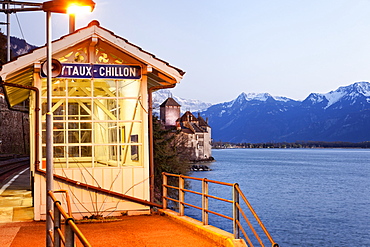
(78, 9)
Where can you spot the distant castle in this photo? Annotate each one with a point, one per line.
(196, 130)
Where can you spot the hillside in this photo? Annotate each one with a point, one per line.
(17, 47)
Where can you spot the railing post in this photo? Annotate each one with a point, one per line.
(204, 201)
(236, 214)
(57, 237)
(181, 195)
(69, 234)
(164, 190)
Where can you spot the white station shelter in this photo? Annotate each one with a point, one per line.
(101, 105)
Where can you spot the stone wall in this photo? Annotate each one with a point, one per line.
(14, 129)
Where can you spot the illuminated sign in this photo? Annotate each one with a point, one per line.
(99, 71)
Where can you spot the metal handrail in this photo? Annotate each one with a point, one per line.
(236, 207)
(70, 229)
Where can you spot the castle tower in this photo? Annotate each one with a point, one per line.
(169, 112)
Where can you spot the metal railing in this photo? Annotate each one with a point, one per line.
(236, 206)
(70, 229)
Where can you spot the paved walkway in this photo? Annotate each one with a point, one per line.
(132, 231)
(16, 198)
(17, 229)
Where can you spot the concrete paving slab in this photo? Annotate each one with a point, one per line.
(7, 235)
(16, 201)
(10, 201)
(26, 202)
(6, 214)
(22, 214)
(131, 231)
(21, 193)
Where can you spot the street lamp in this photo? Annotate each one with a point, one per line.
(70, 7)
(57, 6)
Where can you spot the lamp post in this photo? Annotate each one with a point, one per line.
(57, 6)
(71, 7)
(49, 133)
(10, 6)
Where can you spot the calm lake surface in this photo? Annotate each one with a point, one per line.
(305, 197)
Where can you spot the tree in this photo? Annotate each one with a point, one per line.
(170, 155)
(3, 43)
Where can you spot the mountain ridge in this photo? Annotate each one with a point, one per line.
(339, 115)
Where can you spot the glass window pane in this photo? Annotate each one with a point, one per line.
(44, 107)
(112, 133)
(86, 125)
(103, 109)
(102, 154)
(73, 126)
(58, 109)
(43, 136)
(101, 133)
(59, 87)
(79, 88)
(85, 136)
(59, 152)
(58, 136)
(73, 137)
(85, 110)
(134, 148)
(86, 151)
(104, 88)
(73, 152)
(73, 109)
(128, 88)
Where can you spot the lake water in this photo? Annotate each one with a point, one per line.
(305, 197)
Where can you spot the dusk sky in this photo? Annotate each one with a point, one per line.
(286, 48)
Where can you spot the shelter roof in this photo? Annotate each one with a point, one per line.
(91, 39)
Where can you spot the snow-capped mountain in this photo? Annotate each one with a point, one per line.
(186, 104)
(340, 115)
(259, 97)
(358, 92)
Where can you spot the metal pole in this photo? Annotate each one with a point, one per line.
(151, 148)
(236, 214)
(72, 23)
(49, 130)
(57, 220)
(164, 194)
(8, 33)
(181, 196)
(70, 236)
(204, 201)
